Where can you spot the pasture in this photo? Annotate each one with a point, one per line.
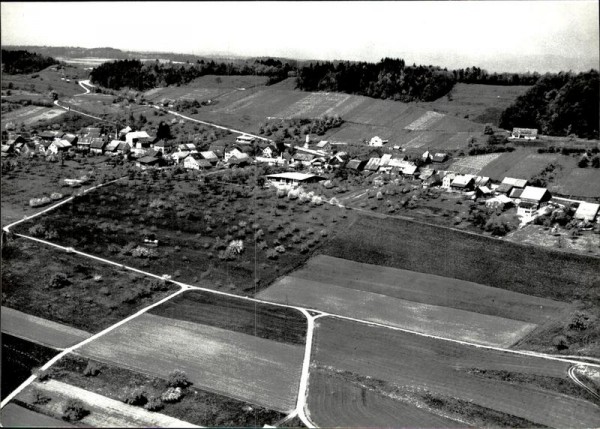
(579, 182)
(521, 164)
(240, 366)
(14, 415)
(413, 368)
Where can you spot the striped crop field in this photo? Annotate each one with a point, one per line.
(425, 121)
(473, 164)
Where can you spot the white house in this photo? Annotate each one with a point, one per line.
(244, 139)
(524, 133)
(196, 162)
(377, 141)
(138, 139)
(58, 146)
(587, 211)
(282, 180)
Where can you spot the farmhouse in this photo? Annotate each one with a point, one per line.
(148, 161)
(292, 179)
(323, 145)
(111, 148)
(499, 202)
(123, 148)
(59, 146)
(209, 156)
(244, 139)
(238, 160)
(196, 162)
(138, 139)
(439, 157)
(463, 182)
(71, 138)
(188, 147)
(84, 144)
(163, 146)
(482, 181)
(524, 133)
(587, 211)
(531, 200)
(433, 180)
(448, 179)
(509, 183)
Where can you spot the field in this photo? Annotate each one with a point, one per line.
(14, 416)
(19, 359)
(473, 164)
(46, 81)
(425, 373)
(478, 103)
(521, 164)
(93, 297)
(240, 366)
(194, 223)
(420, 302)
(580, 182)
(31, 114)
(40, 331)
(265, 321)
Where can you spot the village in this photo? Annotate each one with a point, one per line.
(316, 161)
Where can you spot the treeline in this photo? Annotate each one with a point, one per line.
(391, 78)
(23, 62)
(142, 76)
(560, 105)
(388, 79)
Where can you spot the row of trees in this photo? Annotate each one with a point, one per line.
(561, 104)
(21, 61)
(143, 76)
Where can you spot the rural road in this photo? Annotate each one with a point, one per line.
(302, 391)
(85, 84)
(68, 109)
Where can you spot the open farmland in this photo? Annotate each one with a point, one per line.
(521, 164)
(580, 182)
(40, 331)
(265, 321)
(473, 164)
(420, 302)
(479, 103)
(416, 370)
(334, 402)
(241, 366)
(47, 80)
(14, 415)
(449, 253)
(31, 114)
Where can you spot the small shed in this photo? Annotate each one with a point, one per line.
(356, 164)
(439, 157)
(587, 211)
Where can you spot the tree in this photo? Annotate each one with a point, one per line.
(596, 162)
(583, 162)
(74, 410)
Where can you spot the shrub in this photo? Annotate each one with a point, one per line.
(262, 245)
(280, 249)
(39, 398)
(281, 236)
(91, 370)
(304, 248)
(74, 410)
(178, 378)
(323, 233)
(154, 404)
(135, 396)
(37, 230)
(560, 342)
(172, 394)
(296, 239)
(581, 321)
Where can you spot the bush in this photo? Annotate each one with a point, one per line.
(178, 378)
(304, 248)
(172, 394)
(272, 254)
(91, 370)
(39, 398)
(280, 249)
(37, 230)
(581, 321)
(74, 410)
(154, 404)
(135, 396)
(323, 233)
(560, 342)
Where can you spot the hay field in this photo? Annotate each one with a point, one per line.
(31, 114)
(240, 366)
(409, 366)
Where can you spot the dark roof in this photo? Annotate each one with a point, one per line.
(97, 143)
(516, 192)
(439, 157)
(355, 164)
(504, 188)
(148, 160)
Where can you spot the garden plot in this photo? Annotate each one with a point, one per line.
(241, 366)
(473, 164)
(425, 121)
(536, 390)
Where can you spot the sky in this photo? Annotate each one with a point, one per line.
(496, 35)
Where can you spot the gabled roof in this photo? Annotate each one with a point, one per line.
(322, 144)
(462, 180)
(502, 199)
(373, 164)
(504, 188)
(587, 211)
(293, 176)
(481, 181)
(516, 192)
(439, 157)
(137, 135)
(148, 160)
(210, 155)
(303, 157)
(519, 183)
(113, 145)
(534, 193)
(354, 164)
(484, 190)
(385, 159)
(426, 173)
